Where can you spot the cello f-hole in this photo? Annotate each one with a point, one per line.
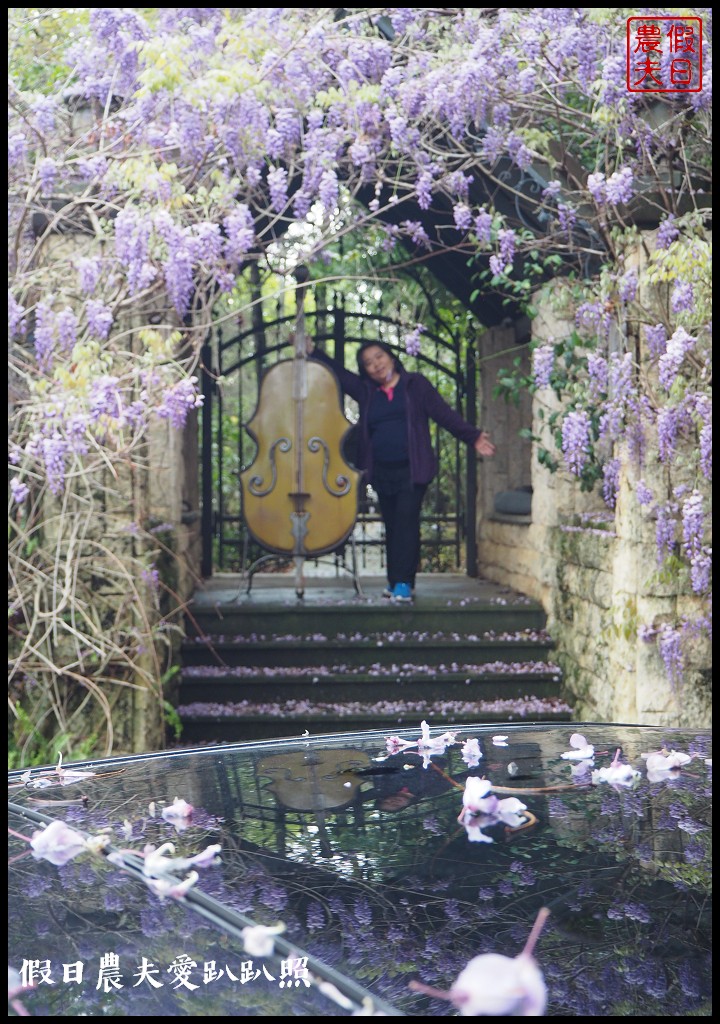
(342, 482)
(255, 482)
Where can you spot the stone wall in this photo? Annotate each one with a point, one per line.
(174, 498)
(506, 551)
(594, 571)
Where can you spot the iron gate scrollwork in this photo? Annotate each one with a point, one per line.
(233, 367)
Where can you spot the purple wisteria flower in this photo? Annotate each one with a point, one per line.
(132, 247)
(156, 863)
(616, 189)
(620, 371)
(693, 524)
(667, 431)
(44, 112)
(699, 556)
(240, 230)
(462, 216)
(492, 985)
(552, 190)
(417, 233)
(665, 765)
(15, 314)
(89, 269)
(178, 270)
(611, 482)
(105, 400)
(481, 809)
(54, 451)
(44, 333)
(259, 939)
(328, 190)
(47, 173)
(423, 188)
(506, 240)
(459, 184)
(66, 324)
(17, 149)
(576, 440)
(178, 400)
(58, 843)
(493, 142)
(519, 151)
(581, 749)
(598, 373)
(594, 318)
(316, 919)
(669, 643)
(657, 339)
(567, 216)
(671, 360)
(412, 341)
(643, 493)
(19, 490)
(471, 753)
(543, 365)
(667, 232)
(207, 243)
(632, 911)
(619, 186)
(617, 774)
(682, 299)
(99, 319)
(597, 187)
(665, 529)
(628, 286)
(706, 450)
(179, 813)
(151, 577)
(483, 227)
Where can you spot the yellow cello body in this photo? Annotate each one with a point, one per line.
(300, 496)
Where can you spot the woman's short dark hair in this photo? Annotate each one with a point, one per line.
(377, 344)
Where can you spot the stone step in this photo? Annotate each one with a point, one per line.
(454, 681)
(372, 618)
(355, 649)
(269, 664)
(247, 722)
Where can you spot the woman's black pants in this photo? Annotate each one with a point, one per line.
(400, 504)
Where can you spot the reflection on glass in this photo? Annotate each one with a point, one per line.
(357, 851)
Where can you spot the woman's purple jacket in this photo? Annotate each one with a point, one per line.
(423, 402)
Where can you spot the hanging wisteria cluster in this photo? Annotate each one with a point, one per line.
(155, 154)
(642, 415)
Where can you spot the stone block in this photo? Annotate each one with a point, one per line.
(590, 585)
(583, 546)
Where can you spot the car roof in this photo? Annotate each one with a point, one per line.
(368, 863)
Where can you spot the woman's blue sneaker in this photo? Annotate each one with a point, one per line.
(402, 592)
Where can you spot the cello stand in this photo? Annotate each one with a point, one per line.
(299, 562)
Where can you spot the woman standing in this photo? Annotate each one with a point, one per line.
(395, 448)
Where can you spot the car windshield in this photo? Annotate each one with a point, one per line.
(359, 874)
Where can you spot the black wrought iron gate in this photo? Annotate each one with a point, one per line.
(233, 366)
